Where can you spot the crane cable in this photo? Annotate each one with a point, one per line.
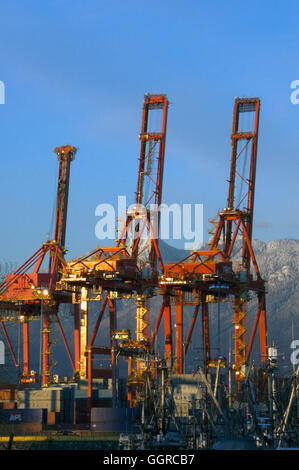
(245, 159)
(248, 126)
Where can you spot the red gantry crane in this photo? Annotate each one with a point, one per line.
(31, 292)
(131, 268)
(144, 222)
(213, 275)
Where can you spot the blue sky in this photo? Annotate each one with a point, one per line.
(75, 73)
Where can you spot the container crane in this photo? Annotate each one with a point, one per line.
(131, 268)
(209, 275)
(33, 293)
(146, 216)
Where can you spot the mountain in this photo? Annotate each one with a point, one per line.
(279, 265)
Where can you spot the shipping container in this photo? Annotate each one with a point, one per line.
(21, 428)
(10, 394)
(114, 419)
(50, 398)
(53, 418)
(102, 403)
(23, 416)
(9, 405)
(81, 411)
